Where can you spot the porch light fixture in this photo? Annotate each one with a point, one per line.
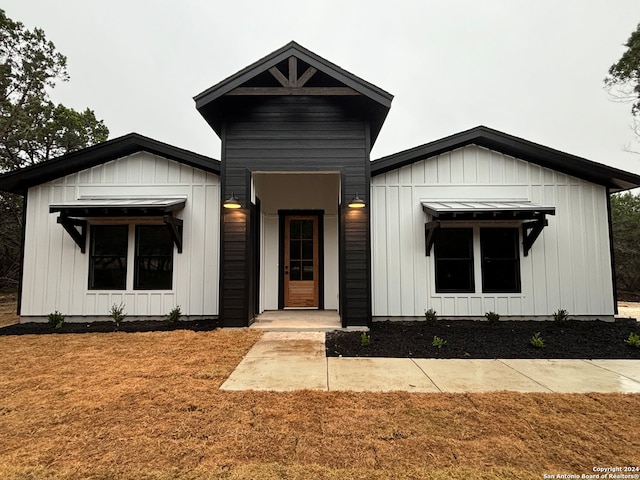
(356, 202)
(232, 202)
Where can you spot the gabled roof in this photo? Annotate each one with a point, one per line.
(19, 181)
(379, 100)
(617, 180)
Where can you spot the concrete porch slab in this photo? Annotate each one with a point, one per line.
(298, 321)
(574, 376)
(377, 375)
(453, 375)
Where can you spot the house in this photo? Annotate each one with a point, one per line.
(296, 215)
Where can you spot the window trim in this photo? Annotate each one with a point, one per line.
(477, 260)
(131, 256)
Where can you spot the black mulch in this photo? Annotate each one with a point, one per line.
(481, 339)
(103, 327)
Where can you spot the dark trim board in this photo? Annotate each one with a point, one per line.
(281, 227)
(614, 281)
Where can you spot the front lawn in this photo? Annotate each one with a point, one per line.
(147, 406)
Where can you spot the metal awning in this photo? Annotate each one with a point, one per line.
(532, 215)
(73, 214)
(484, 209)
(119, 206)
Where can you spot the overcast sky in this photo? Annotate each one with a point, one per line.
(533, 69)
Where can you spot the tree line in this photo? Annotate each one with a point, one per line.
(33, 128)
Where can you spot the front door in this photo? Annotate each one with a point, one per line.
(301, 261)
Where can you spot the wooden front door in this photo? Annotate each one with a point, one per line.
(301, 261)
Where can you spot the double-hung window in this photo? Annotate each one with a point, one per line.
(500, 260)
(154, 258)
(111, 248)
(454, 260)
(108, 257)
(498, 264)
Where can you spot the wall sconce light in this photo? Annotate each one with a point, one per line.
(232, 202)
(356, 202)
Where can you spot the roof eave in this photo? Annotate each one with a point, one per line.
(613, 178)
(19, 181)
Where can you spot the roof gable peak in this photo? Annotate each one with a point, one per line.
(614, 179)
(302, 66)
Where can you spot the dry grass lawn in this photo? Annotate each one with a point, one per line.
(147, 406)
(8, 309)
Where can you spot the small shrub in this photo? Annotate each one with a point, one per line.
(431, 316)
(117, 314)
(174, 315)
(365, 339)
(56, 320)
(536, 340)
(561, 315)
(438, 342)
(633, 340)
(493, 317)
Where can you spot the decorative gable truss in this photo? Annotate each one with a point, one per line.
(292, 84)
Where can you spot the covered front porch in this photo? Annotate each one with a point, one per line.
(297, 242)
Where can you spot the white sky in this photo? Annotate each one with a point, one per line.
(533, 69)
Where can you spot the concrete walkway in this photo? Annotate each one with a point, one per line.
(284, 361)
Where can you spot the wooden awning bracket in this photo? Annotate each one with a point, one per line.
(77, 229)
(175, 227)
(531, 231)
(430, 235)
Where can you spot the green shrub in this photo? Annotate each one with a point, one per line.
(536, 340)
(493, 317)
(633, 340)
(561, 315)
(117, 314)
(56, 320)
(174, 315)
(365, 339)
(438, 342)
(431, 316)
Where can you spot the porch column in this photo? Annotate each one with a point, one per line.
(355, 252)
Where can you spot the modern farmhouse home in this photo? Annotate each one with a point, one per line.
(296, 215)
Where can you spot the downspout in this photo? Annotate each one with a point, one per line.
(22, 240)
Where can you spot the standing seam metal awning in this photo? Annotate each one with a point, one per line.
(485, 209)
(532, 215)
(119, 206)
(73, 214)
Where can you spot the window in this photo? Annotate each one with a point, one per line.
(154, 258)
(454, 260)
(500, 260)
(152, 255)
(108, 257)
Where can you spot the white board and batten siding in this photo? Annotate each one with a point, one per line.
(569, 265)
(55, 275)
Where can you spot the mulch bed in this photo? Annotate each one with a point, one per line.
(105, 327)
(481, 339)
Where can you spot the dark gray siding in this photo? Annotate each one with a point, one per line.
(295, 133)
